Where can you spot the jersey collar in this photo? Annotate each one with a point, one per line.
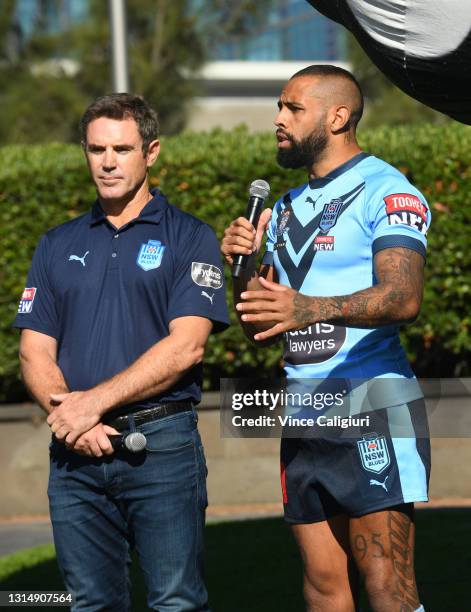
(151, 213)
(325, 180)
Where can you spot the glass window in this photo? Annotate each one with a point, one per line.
(292, 30)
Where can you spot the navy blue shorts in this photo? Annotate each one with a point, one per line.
(386, 465)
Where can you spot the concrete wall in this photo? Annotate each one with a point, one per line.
(241, 471)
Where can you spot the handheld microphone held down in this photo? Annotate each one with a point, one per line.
(259, 192)
(134, 442)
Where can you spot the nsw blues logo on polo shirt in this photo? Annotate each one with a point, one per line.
(150, 255)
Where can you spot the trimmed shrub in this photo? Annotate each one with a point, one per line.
(208, 174)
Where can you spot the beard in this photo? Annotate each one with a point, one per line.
(305, 152)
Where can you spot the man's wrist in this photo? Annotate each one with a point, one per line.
(101, 399)
(309, 310)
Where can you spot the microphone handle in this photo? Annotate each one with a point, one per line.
(117, 442)
(254, 209)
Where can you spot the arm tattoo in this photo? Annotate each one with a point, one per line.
(305, 314)
(394, 299)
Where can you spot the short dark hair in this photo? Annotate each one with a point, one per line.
(121, 106)
(328, 70)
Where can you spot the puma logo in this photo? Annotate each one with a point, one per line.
(210, 297)
(80, 259)
(379, 484)
(313, 202)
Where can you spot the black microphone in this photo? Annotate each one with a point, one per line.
(259, 192)
(134, 442)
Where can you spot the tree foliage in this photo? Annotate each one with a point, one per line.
(47, 77)
(208, 175)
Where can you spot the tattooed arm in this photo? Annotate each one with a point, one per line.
(395, 299)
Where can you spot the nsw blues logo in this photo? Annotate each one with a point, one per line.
(374, 453)
(330, 214)
(150, 255)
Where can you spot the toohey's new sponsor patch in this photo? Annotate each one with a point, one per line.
(406, 209)
(26, 302)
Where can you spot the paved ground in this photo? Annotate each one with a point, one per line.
(25, 532)
(17, 533)
(15, 536)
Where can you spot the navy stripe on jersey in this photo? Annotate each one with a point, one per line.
(389, 242)
(299, 235)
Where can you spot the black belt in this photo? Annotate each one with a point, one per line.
(148, 415)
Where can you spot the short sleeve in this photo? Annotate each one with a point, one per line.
(37, 309)
(199, 286)
(399, 216)
(267, 259)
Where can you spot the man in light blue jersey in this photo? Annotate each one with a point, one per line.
(343, 268)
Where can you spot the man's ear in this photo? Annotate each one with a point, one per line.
(153, 151)
(340, 119)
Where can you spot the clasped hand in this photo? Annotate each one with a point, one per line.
(275, 303)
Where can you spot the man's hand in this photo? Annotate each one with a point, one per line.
(95, 442)
(241, 238)
(277, 304)
(76, 413)
(395, 300)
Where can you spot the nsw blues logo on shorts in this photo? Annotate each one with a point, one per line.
(150, 255)
(374, 453)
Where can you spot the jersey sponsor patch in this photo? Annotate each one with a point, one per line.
(314, 344)
(406, 209)
(330, 214)
(206, 275)
(26, 302)
(324, 243)
(150, 255)
(374, 453)
(283, 222)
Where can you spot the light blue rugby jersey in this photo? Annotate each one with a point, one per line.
(321, 241)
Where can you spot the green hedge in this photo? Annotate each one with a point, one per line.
(208, 175)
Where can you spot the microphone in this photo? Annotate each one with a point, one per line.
(259, 192)
(134, 442)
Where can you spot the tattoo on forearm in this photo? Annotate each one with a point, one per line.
(309, 310)
(399, 272)
(405, 592)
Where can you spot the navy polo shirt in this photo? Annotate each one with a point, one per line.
(107, 295)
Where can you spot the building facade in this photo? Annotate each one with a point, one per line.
(242, 81)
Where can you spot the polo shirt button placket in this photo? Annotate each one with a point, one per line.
(114, 251)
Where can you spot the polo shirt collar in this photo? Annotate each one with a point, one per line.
(325, 180)
(151, 213)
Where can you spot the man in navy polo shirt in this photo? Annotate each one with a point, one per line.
(117, 310)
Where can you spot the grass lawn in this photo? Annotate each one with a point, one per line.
(253, 566)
